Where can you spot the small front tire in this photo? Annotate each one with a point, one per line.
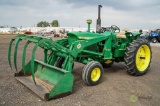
(92, 73)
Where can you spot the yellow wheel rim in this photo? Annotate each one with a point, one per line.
(143, 57)
(95, 74)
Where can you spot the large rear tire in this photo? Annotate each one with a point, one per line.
(138, 57)
(92, 73)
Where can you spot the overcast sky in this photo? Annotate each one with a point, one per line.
(141, 14)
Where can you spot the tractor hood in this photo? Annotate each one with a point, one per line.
(84, 35)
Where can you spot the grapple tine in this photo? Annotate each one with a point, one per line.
(24, 55)
(32, 61)
(9, 52)
(15, 53)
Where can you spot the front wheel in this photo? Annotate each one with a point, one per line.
(154, 40)
(138, 57)
(92, 73)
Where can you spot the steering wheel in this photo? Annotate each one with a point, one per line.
(114, 28)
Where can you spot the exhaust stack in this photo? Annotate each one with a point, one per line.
(98, 26)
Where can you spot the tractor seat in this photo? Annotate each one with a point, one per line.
(120, 34)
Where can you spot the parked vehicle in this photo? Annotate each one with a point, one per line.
(154, 36)
(53, 76)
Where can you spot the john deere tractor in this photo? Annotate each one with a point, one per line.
(53, 76)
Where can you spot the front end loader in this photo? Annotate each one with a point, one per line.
(53, 76)
(45, 79)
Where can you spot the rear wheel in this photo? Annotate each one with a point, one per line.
(138, 57)
(154, 40)
(92, 73)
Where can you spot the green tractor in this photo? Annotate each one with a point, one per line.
(53, 76)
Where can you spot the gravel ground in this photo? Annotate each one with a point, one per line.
(117, 88)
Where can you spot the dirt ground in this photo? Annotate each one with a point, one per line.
(117, 87)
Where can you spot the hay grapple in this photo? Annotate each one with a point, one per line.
(53, 76)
